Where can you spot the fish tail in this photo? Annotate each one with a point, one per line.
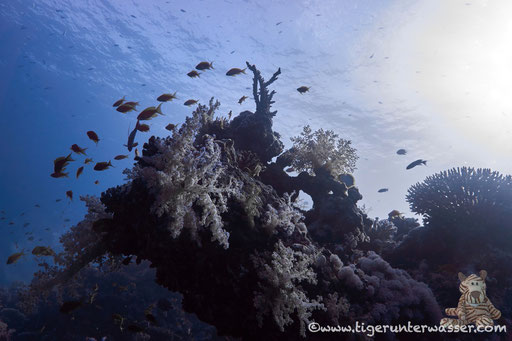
(243, 71)
(424, 162)
(110, 163)
(159, 110)
(211, 65)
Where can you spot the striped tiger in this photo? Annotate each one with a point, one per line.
(474, 306)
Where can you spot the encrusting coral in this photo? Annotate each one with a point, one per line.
(225, 232)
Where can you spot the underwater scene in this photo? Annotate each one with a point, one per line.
(247, 170)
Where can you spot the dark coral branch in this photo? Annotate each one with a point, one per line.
(264, 99)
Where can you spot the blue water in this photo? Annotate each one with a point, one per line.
(63, 64)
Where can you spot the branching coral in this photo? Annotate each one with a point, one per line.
(186, 178)
(280, 292)
(312, 150)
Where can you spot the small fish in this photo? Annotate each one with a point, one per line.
(57, 200)
(394, 213)
(303, 89)
(127, 107)
(243, 98)
(190, 102)
(182, 10)
(232, 52)
(99, 166)
(87, 161)
(383, 190)
(26, 224)
(15, 257)
(416, 163)
(289, 170)
(43, 251)
(150, 112)
(193, 74)
(166, 97)
(204, 66)
(131, 138)
(143, 128)
(235, 71)
(279, 23)
(121, 157)
(118, 102)
(67, 220)
(170, 126)
(60, 163)
(401, 151)
(69, 194)
(79, 171)
(93, 136)
(37, 205)
(69, 306)
(59, 175)
(96, 182)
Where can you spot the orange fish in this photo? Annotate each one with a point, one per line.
(127, 107)
(235, 71)
(15, 257)
(170, 126)
(243, 98)
(193, 74)
(93, 136)
(79, 171)
(204, 66)
(99, 166)
(59, 175)
(87, 161)
(190, 102)
(96, 182)
(142, 127)
(166, 97)
(149, 113)
(121, 157)
(78, 150)
(60, 163)
(118, 102)
(69, 194)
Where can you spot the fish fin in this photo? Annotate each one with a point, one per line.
(424, 162)
(243, 71)
(211, 65)
(135, 144)
(158, 110)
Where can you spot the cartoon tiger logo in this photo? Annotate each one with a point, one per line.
(474, 305)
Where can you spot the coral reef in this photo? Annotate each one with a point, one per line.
(467, 216)
(216, 219)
